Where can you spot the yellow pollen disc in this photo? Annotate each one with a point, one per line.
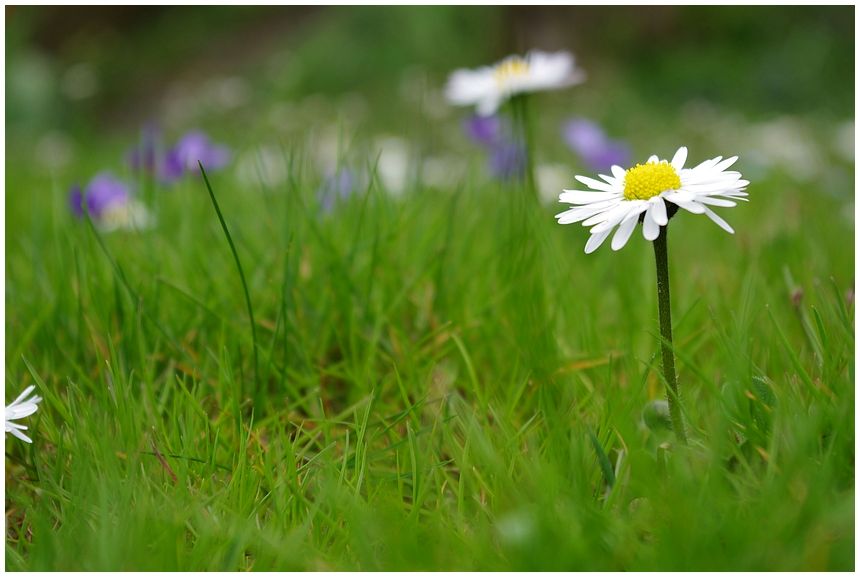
(510, 68)
(646, 180)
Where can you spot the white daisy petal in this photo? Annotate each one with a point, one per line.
(585, 196)
(20, 435)
(713, 201)
(595, 240)
(622, 235)
(658, 211)
(21, 411)
(680, 158)
(615, 216)
(611, 181)
(720, 222)
(653, 158)
(579, 213)
(20, 397)
(692, 206)
(650, 229)
(595, 184)
(23, 406)
(488, 106)
(618, 172)
(721, 166)
(679, 196)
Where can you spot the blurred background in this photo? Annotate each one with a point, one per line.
(773, 84)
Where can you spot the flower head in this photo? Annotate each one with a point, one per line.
(109, 203)
(23, 406)
(590, 143)
(489, 86)
(336, 187)
(104, 192)
(483, 130)
(193, 147)
(651, 193)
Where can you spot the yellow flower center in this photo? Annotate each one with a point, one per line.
(646, 180)
(511, 68)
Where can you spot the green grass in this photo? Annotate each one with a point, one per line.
(445, 382)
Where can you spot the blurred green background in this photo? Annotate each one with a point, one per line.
(74, 75)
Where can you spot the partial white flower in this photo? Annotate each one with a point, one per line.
(651, 192)
(131, 215)
(393, 167)
(489, 86)
(23, 406)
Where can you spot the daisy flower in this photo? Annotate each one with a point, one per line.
(23, 406)
(489, 86)
(651, 193)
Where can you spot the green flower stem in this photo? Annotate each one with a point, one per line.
(664, 306)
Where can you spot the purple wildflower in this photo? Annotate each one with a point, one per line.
(145, 155)
(507, 160)
(103, 192)
(591, 144)
(110, 204)
(193, 147)
(506, 155)
(335, 188)
(484, 130)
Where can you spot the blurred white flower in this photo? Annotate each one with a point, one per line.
(132, 215)
(550, 179)
(80, 81)
(227, 92)
(393, 165)
(785, 143)
(517, 528)
(23, 406)
(653, 191)
(489, 86)
(264, 165)
(54, 150)
(442, 171)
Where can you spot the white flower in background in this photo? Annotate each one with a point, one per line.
(265, 165)
(550, 178)
(651, 192)
(443, 171)
(489, 86)
(133, 215)
(23, 406)
(393, 166)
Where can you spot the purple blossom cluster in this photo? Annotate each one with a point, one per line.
(111, 202)
(172, 164)
(506, 155)
(336, 187)
(588, 141)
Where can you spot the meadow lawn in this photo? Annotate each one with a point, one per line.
(436, 377)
